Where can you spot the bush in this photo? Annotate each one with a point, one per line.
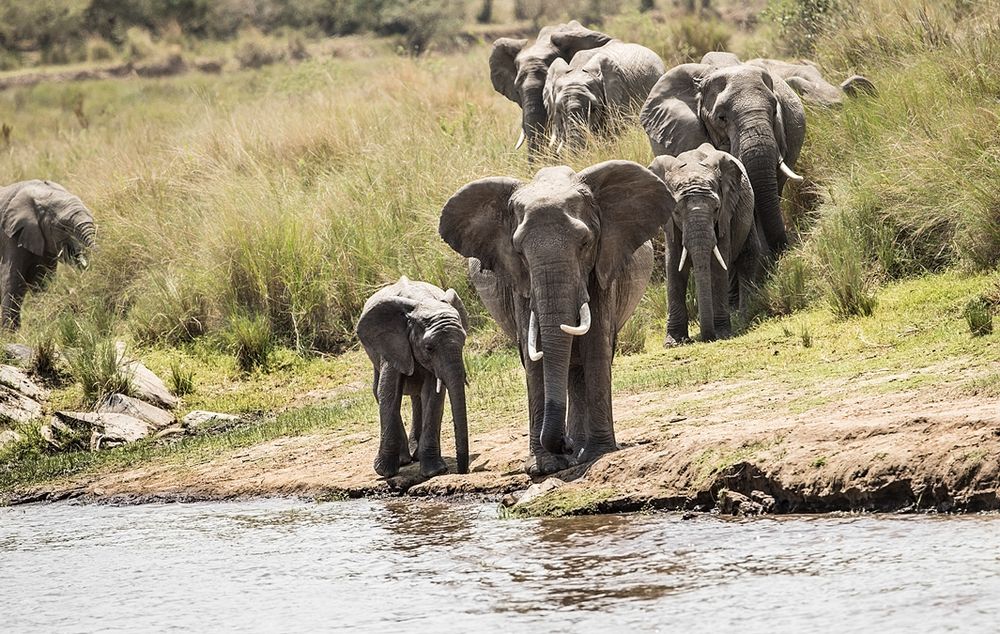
(97, 366)
(181, 379)
(99, 50)
(675, 39)
(978, 314)
(801, 22)
(254, 50)
(421, 23)
(250, 342)
(139, 44)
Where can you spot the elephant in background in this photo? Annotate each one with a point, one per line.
(518, 72)
(743, 110)
(598, 90)
(562, 261)
(42, 224)
(804, 78)
(713, 232)
(414, 334)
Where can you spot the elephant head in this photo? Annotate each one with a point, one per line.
(576, 100)
(711, 220)
(556, 241)
(407, 332)
(740, 109)
(518, 71)
(48, 221)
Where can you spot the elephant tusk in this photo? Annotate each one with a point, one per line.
(520, 141)
(533, 354)
(684, 257)
(439, 386)
(584, 326)
(718, 256)
(559, 149)
(787, 171)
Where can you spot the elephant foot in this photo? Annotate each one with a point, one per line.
(431, 466)
(545, 463)
(592, 452)
(672, 342)
(387, 466)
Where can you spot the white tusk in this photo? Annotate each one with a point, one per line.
(520, 141)
(559, 149)
(684, 257)
(584, 326)
(533, 354)
(552, 141)
(439, 386)
(718, 256)
(787, 171)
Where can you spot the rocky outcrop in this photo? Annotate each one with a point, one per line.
(21, 398)
(148, 386)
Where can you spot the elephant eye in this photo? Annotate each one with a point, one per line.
(721, 117)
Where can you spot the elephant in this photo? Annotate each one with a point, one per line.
(414, 334)
(562, 261)
(741, 109)
(518, 72)
(597, 89)
(42, 224)
(804, 78)
(713, 221)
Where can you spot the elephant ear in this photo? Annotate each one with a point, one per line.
(478, 222)
(384, 328)
(604, 68)
(736, 193)
(670, 114)
(662, 166)
(633, 203)
(557, 69)
(503, 71)
(451, 296)
(577, 38)
(20, 220)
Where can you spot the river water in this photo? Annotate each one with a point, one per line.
(284, 566)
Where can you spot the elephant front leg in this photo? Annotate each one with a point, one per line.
(14, 289)
(429, 451)
(677, 282)
(390, 397)
(540, 462)
(577, 420)
(416, 426)
(596, 351)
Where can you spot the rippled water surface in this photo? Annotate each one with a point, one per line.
(270, 566)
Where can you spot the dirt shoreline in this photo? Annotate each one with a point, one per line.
(906, 451)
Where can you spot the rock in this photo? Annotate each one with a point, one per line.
(60, 436)
(536, 491)
(121, 404)
(148, 386)
(171, 432)
(17, 379)
(19, 354)
(9, 436)
(199, 419)
(108, 429)
(19, 396)
(733, 503)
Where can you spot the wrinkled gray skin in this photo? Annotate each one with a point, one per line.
(548, 247)
(804, 78)
(42, 224)
(714, 209)
(414, 333)
(518, 71)
(743, 110)
(598, 91)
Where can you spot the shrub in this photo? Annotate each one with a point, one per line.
(978, 314)
(98, 367)
(139, 44)
(99, 50)
(632, 336)
(801, 22)
(250, 342)
(181, 379)
(421, 23)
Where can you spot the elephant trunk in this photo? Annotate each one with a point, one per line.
(533, 117)
(86, 234)
(456, 394)
(700, 243)
(758, 150)
(555, 308)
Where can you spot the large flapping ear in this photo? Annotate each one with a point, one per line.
(503, 71)
(736, 194)
(478, 222)
(451, 296)
(670, 114)
(662, 166)
(576, 38)
(633, 203)
(603, 67)
(20, 220)
(384, 329)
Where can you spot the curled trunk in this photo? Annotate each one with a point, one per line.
(758, 150)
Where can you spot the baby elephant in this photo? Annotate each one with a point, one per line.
(414, 333)
(713, 231)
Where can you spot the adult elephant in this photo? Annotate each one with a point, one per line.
(518, 72)
(42, 224)
(743, 110)
(713, 233)
(803, 78)
(564, 259)
(598, 90)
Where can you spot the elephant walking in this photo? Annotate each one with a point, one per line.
(414, 334)
(562, 261)
(42, 224)
(712, 232)
(598, 90)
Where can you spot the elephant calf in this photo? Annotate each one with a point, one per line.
(713, 231)
(42, 223)
(414, 334)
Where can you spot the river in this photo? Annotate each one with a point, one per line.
(291, 566)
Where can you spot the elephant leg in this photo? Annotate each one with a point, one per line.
(14, 290)
(720, 299)
(596, 348)
(429, 451)
(390, 398)
(577, 417)
(677, 283)
(416, 424)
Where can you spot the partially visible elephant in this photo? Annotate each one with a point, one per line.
(562, 261)
(712, 232)
(804, 78)
(414, 334)
(743, 110)
(518, 71)
(42, 224)
(598, 90)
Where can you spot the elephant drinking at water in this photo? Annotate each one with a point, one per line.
(562, 261)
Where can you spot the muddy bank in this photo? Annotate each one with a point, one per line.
(909, 451)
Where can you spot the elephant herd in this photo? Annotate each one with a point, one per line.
(562, 261)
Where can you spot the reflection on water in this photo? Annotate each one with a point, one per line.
(289, 566)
